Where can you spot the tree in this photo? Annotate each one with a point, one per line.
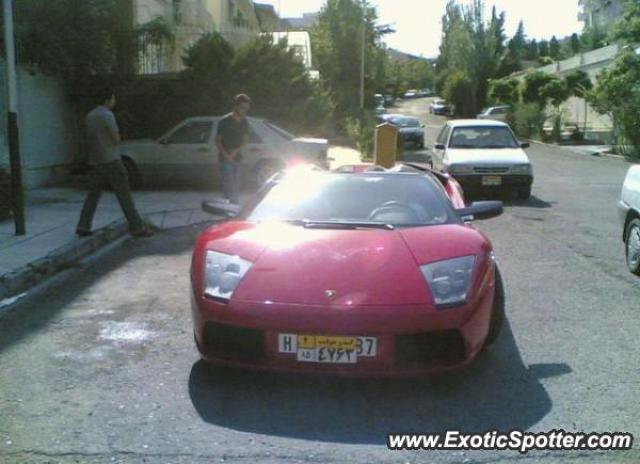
(578, 83)
(518, 44)
(628, 28)
(555, 91)
(336, 47)
(532, 50)
(534, 81)
(504, 91)
(458, 87)
(593, 38)
(543, 48)
(554, 48)
(574, 43)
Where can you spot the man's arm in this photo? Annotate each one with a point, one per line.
(114, 132)
(228, 156)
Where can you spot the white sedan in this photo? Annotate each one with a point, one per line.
(629, 208)
(188, 153)
(485, 155)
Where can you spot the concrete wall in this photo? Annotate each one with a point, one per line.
(48, 133)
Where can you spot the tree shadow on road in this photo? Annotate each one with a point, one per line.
(498, 392)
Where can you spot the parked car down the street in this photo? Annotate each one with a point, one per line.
(496, 113)
(188, 154)
(440, 107)
(484, 155)
(349, 249)
(629, 209)
(411, 94)
(411, 129)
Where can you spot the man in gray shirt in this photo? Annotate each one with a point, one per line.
(107, 170)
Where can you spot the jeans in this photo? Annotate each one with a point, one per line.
(112, 175)
(230, 172)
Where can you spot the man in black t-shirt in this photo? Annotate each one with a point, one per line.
(233, 136)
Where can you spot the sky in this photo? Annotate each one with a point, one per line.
(418, 22)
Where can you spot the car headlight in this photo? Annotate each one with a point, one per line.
(449, 280)
(521, 169)
(223, 273)
(460, 169)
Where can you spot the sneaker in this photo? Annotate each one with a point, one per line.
(144, 233)
(83, 233)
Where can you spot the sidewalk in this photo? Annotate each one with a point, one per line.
(51, 245)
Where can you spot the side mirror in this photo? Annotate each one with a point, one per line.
(439, 146)
(525, 144)
(423, 125)
(481, 210)
(227, 210)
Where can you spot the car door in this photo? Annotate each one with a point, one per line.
(438, 154)
(188, 152)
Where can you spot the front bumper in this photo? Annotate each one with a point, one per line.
(411, 340)
(475, 182)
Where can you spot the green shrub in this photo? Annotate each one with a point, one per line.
(362, 132)
(527, 120)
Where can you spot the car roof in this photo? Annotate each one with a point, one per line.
(217, 118)
(476, 123)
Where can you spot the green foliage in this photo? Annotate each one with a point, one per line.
(527, 119)
(555, 91)
(459, 85)
(618, 94)
(534, 81)
(504, 91)
(336, 40)
(543, 48)
(554, 48)
(628, 28)
(73, 39)
(545, 60)
(593, 38)
(578, 83)
(470, 55)
(362, 132)
(409, 74)
(574, 44)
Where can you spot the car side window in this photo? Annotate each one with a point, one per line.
(192, 133)
(443, 137)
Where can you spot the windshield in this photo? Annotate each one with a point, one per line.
(280, 131)
(398, 200)
(405, 122)
(482, 137)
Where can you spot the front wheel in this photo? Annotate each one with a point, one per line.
(632, 248)
(497, 312)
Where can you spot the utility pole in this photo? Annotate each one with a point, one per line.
(17, 195)
(362, 58)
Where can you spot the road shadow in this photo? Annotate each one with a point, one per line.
(498, 392)
(509, 199)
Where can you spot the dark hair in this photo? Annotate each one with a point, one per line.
(104, 94)
(241, 98)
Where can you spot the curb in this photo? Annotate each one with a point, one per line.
(19, 281)
(595, 153)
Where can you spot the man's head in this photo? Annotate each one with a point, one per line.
(242, 104)
(106, 97)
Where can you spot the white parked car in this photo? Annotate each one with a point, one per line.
(496, 113)
(188, 153)
(483, 155)
(629, 209)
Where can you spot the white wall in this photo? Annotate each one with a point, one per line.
(48, 134)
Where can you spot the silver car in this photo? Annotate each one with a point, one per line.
(629, 209)
(188, 153)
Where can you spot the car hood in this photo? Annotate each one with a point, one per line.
(487, 156)
(294, 265)
(310, 141)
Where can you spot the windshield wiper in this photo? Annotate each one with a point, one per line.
(310, 224)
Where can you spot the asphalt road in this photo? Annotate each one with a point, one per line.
(103, 369)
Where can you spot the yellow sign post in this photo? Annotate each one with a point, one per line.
(386, 145)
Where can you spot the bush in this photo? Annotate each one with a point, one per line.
(362, 132)
(5, 194)
(527, 120)
(458, 91)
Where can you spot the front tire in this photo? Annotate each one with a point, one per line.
(497, 312)
(632, 246)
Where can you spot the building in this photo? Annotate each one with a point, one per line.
(600, 14)
(268, 19)
(300, 43)
(235, 20)
(305, 23)
(172, 26)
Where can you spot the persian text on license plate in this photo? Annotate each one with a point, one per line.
(327, 349)
(491, 180)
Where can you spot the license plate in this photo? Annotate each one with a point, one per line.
(327, 349)
(491, 180)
